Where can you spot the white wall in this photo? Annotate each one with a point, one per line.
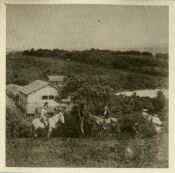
(36, 96)
(34, 100)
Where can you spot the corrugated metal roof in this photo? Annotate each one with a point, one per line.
(13, 89)
(56, 78)
(34, 86)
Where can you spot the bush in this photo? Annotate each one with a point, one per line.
(16, 125)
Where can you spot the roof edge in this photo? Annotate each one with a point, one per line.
(38, 89)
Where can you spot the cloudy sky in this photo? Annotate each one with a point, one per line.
(79, 27)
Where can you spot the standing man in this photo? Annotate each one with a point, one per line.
(44, 114)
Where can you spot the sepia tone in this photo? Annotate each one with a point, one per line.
(87, 86)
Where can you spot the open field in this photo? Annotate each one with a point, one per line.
(87, 152)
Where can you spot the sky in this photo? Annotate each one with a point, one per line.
(80, 27)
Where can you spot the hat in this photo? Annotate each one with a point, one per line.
(145, 110)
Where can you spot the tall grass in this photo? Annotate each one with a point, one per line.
(73, 152)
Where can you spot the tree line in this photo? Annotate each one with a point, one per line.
(134, 61)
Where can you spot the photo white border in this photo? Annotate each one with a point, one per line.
(170, 3)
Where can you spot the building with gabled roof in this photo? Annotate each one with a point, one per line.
(33, 96)
(34, 86)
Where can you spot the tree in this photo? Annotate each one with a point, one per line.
(93, 91)
(89, 88)
(160, 105)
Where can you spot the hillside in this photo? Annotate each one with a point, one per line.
(122, 71)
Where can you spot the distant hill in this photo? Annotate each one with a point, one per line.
(123, 70)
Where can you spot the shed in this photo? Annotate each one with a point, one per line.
(56, 80)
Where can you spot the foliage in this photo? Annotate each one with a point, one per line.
(17, 125)
(22, 69)
(126, 109)
(135, 61)
(94, 76)
(88, 88)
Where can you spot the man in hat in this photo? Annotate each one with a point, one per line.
(44, 114)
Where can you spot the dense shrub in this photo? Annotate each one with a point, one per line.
(16, 125)
(72, 124)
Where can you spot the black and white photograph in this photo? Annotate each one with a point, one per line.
(87, 86)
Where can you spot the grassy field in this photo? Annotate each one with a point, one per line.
(84, 152)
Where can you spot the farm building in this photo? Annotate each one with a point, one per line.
(33, 96)
(13, 90)
(56, 80)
